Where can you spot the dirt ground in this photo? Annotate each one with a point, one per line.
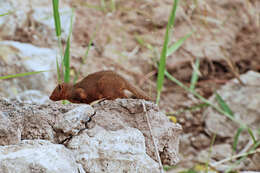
(226, 42)
(226, 39)
(128, 37)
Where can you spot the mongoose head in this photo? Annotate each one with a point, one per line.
(60, 92)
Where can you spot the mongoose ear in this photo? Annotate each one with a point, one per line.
(81, 93)
(59, 87)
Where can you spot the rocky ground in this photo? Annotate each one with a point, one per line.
(127, 37)
(112, 136)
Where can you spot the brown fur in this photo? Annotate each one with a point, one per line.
(100, 85)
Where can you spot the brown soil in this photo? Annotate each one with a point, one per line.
(226, 41)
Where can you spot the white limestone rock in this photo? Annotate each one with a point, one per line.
(37, 156)
(19, 57)
(99, 150)
(243, 101)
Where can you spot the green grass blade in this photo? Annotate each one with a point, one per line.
(176, 80)
(58, 70)
(188, 171)
(192, 171)
(113, 5)
(66, 59)
(177, 44)
(160, 78)
(252, 135)
(223, 105)
(173, 14)
(195, 75)
(235, 142)
(5, 14)
(67, 62)
(71, 21)
(103, 5)
(168, 167)
(143, 43)
(20, 75)
(96, 7)
(56, 15)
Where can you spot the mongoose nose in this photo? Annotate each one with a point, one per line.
(52, 98)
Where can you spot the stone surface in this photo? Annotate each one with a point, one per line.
(243, 101)
(37, 156)
(31, 96)
(51, 122)
(111, 136)
(9, 133)
(14, 20)
(256, 160)
(100, 150)
(217, 152)
(20, 58)
(200, 141)
(118, 139)
(74, 120)
(122, 113)
(31, 21)
(30, 26)
(42, 15)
